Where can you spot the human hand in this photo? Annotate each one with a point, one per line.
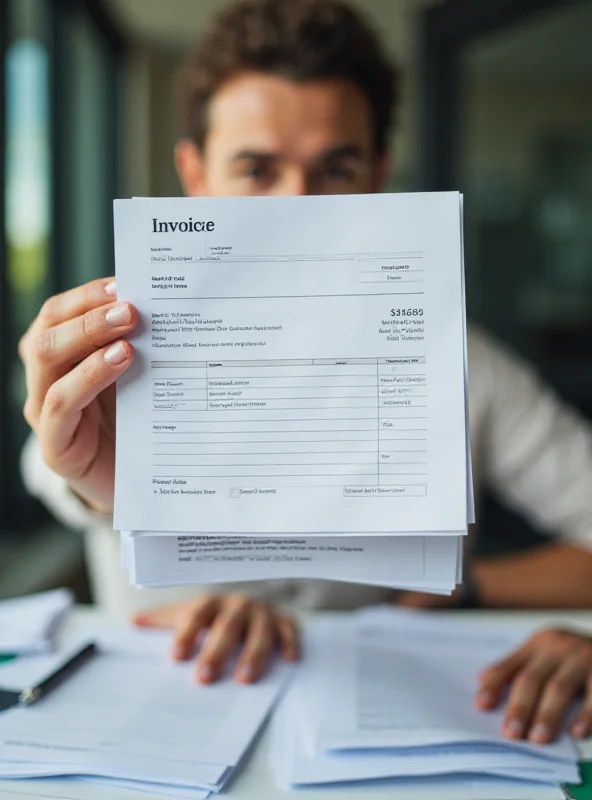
(230, 620)
(544, 676)
(73, 352)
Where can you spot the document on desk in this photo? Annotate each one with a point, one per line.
(299, 367)
(163, 728)
(414, 692)
(387, 693)
(296, 765)
(410, 562)
(28, 624)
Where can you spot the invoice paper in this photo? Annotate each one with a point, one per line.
(299, 366)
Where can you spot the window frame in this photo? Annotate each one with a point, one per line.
(17, 511)
(446, 29)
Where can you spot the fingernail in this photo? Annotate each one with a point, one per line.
(514, 727)
(111, 288)
(245, 673)
(116, 354)
(540, 732)
(205, 673)
(580, 730)
(118, 315)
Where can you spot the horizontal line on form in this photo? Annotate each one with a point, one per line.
(374, 451)
(293, 475)
(298, 464)
(290, 296)
(286, 419)
(333, 430)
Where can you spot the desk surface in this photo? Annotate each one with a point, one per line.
(255, 780)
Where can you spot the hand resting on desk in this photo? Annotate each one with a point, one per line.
(542, 679)
(230, 620)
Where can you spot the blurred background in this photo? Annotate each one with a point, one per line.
(497, 103)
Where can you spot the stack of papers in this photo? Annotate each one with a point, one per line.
(415, 563)
(131, 718)
(383, 695)
(29, 624)
(297, 407)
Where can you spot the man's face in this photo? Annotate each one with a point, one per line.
(271, 136)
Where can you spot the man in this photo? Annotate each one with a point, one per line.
(297, 98)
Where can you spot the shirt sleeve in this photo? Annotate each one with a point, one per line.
(536, 450)
(54, 491)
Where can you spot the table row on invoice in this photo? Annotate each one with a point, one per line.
(325, 421)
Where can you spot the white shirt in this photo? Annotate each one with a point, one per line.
(533, 451)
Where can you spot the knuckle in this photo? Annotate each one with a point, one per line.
(88, 292)
(90, 374)
(239, 603)
(527, 679)
(230, 626)
(44, 346)
(262, 610)
(54, 401)
(559, 685)
(86, 327)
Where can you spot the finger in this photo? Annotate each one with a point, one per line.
(494, 679)
(194, 621)
(557, 696)
(68, 305)
(63, 432)
(165, 617)
(525, 694)
(52, 351)
(76, 338)
(224, 636)
(288, 637)
(582, 724)
(259, 643)
(78, 301)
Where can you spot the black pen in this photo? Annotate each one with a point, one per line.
(34, 693)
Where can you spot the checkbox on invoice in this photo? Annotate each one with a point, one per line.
(235, 492)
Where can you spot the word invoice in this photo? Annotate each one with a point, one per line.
(299, 365)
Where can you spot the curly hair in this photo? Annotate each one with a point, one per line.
(301, 40)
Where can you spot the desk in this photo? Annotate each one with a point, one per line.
(255, 780)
